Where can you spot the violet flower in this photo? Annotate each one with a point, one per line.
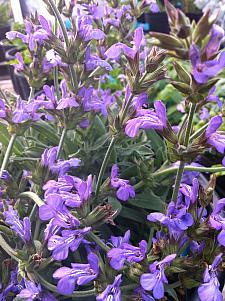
(115, 50)
(210, 288)
(2, 108)
(177, 219)
(127, 252)
(154, 281)
(202, 71)
(213, 137)
(93, 61)
(190, 192)
(86, 32)
(34, 292)
(22, 228)
(124, 189)
(213, 45)
(67, 101)
(217, 221)
(147, 119)
(214, 98)
(20, 66)
(20, 114)
(79, 274)
(70, 240)
(118, 241)
(112, 291)
(55, 209)
(60, 167)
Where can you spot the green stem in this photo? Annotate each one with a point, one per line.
(186, 141)
(178, 181)
(128, 287)
(8, 153)
(6, 247)
(66, 39)
(56, 69)
(61, 142)
(104, 165)
(31, 96)
(98, 241)
(199, 132)
(33, 196)
(126, 108)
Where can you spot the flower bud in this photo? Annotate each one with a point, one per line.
(102, 214)
(206, 194)
(154, 59)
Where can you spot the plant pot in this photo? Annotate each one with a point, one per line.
(158, 22)
(19, 81)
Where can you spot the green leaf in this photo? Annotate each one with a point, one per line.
(148, 200)
(99, 142)
(47, 131)
(158, 146)
(133, 214)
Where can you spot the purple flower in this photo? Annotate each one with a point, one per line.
(204, 114)
(119, 255)
(202, 71)
(147, 119)
(14, 286)
(70, 240)
(20, 66)
(177, 219)
(112, 291)
(118, 241)
(190, 192)
(217, 221)
(213, 98)
(213, 45)
(79, 274)
(34, 292)
(2, 108)
(210, 289)
(213, 137)
(115, 51)
(20, 114)
(22, 228)
(66, 101)
(93, 61)
(86, 32)
(55, 208)
(124, 189)
(154, 281)
(60, 167)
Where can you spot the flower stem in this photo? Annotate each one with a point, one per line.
(182, 163)
(8, 153)
(56, 69)
(98, 241)
(104, 165)
(61, 142)
(66, 39)
(33, 196)
(199, 132)
(31, 96)
(126, 108)
(4, 245)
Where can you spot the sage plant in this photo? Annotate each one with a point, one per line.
(102, 195)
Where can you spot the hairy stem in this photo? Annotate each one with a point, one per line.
(6, 247)
(7, 153)
(31, 96)
(104, 165)
(61, 142)
(126, 108)
(33, 196)
(186, 141)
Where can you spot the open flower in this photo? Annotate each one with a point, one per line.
(70, 240)
(124, 189)
(124, 252)
(203, 71)
(213, 137)
(154, 281)
(79, 274)
(112, 291)
(115, 50)
(210, 288)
